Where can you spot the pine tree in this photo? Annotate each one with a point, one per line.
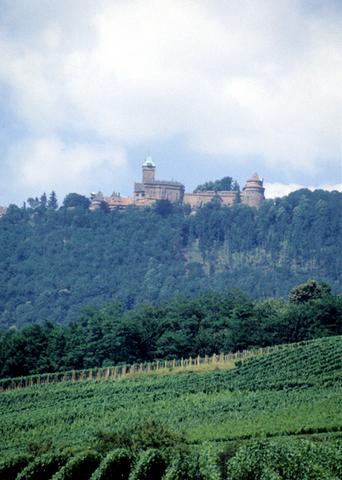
(52, 203)
(43, 200)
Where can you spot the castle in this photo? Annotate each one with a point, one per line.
(149, 190)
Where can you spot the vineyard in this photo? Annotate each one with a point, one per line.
(271, 414)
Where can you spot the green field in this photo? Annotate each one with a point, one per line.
(286, 398)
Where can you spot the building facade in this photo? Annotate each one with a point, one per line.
(149, 190)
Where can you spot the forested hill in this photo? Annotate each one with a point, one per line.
(54, 261)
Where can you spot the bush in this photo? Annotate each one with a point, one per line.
(288, 459)
(10, 468)
(185, 466)
(151, 465)
(208, 462)
(78, 467)
(150, 433)
(43, 468)
(117, 462)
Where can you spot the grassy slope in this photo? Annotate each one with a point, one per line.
(294, 391)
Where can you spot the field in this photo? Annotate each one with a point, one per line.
(287, 399)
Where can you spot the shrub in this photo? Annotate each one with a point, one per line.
(10, 468)
(78, 467)
(184, 466)
(295, 459)
(151, 465)
(208, 461)
(150, 433)
(43, 467)
(118, 462)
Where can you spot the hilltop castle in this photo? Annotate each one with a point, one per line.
(149, 190)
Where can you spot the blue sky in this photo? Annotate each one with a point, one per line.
(209, 88)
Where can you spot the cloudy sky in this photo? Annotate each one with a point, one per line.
(209, 88)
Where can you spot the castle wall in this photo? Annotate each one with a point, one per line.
(197, 200)
(253, 192)
(150, 190)
(252, 198)
(148, 174)
(164, 191)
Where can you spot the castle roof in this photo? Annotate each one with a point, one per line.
(164, 182)
(148, 162)
(254, 178)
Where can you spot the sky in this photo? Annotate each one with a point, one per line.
(208, 88)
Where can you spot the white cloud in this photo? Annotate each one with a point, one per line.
(237, 78)
(274, 190)
(48, 164)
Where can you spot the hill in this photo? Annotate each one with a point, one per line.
(53, 262)
(274, 410)
(183, 327)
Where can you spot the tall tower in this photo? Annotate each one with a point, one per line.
(149, 170)
(253, 192)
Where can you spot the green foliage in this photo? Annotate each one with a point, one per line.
(78, 467)
(43, 467)
(151, 465)
(184, 466)
(225, 184)
(74, 200)
(148, 433)
(295, 390)
(295, 460)
(52, 202)
(163, 207)
(309, 290)
(117, 464)
(208, 462)
(54, 262)
(9, 468)
(205, 325)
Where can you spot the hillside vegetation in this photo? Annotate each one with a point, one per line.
(267, 416)
(210, 323)
(54, 261)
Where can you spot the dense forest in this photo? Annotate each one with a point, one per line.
(208, 324)
(54, 261)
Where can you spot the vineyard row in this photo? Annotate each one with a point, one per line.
(121, 371)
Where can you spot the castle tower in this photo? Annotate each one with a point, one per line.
(253, 192)
(149, 170)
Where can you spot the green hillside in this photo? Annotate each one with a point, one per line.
(277, 408)
(53, 262)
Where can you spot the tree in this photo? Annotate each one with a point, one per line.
(74, 200)
(225, 184)
(33, 202)
(309, 291)
(43, 200)
(163, 207)
(52, 203)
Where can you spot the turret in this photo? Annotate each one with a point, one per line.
(253, 192)
(149, 170)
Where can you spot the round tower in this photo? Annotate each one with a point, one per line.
(253, 192)
(149, 170)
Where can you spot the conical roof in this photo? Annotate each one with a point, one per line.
(254, 178)
(148, 162)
